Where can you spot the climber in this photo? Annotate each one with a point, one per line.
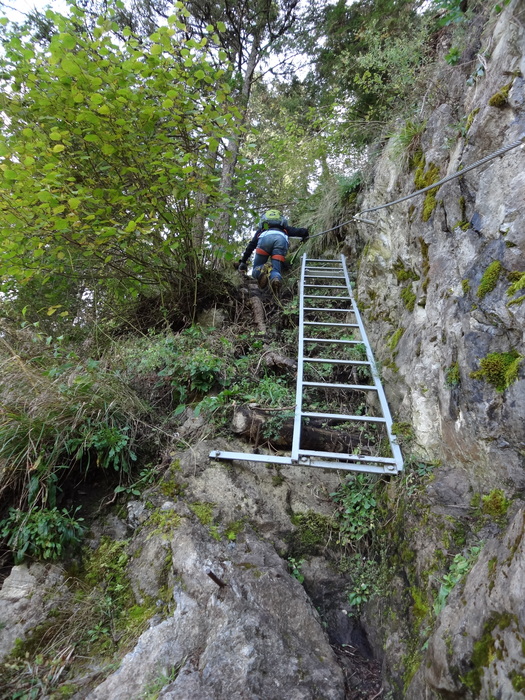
(270, 241)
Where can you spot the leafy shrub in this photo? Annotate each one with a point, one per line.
(41, 534)
(356, 514)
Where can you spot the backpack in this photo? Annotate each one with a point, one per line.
(272, 219)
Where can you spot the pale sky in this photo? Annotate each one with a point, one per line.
(16, 9)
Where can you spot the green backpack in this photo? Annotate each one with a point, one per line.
(271, 219)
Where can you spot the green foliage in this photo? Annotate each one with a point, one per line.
(41, 534)
(451, 12)
(452, 375)
(60, 413)
(499, 369)
(106, 149)
(465, 286)
(453, 56)
(365, 575)
(406, 141)
(356, 513)
(295, 568)
(459, 568)
(490, 278)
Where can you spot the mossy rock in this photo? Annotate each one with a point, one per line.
(499, 369)
(489, 279)
(501, 97)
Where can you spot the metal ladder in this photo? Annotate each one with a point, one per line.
(333, 340)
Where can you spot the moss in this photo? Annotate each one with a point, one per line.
(499, 369)
(495, 504)
(394, 339)
(518, 283)
(470, 118)
(403, 273)
(482, 655)
(423, 178)
(489, 279)
(409, 298)
(163, 523)
(403, 430)
(465, 286)
(452, 375)
(517, 680)
(233, 529)
(491, 566)
(203, 511)
(500, 98)
(425, 257)
(313, 530)
(464, 225)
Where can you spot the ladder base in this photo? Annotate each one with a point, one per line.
(308, 461)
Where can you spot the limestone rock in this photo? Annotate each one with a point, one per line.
(243, 628)
(27, 596)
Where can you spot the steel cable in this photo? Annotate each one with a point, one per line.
(448, 178)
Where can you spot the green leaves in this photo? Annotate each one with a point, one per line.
(104, 154)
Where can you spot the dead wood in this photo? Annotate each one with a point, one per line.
(250, 422)
(258, 314)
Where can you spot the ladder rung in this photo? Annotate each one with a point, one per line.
(318, 308)
(322, 260)
(336, 362)
(316, 296)
(329, 340)
(322, 286)
(341, 416)
(327, 385)
(343, 455)
(324, 323)
(327, 277)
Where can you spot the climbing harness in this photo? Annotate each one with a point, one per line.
(332, 339)
(448, 178)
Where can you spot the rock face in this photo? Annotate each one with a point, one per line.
(26, 598)
(433, 311)
(242, 626)
(434, 284)
(476, 649)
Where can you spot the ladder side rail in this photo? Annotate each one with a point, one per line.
(396, 451)
(297, 426)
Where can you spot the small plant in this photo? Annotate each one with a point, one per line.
(452, 375)
(295, 568)
(41, 534)
(495, 504)
(460, 566)
(453, 56)
(356, 514)
(365, 576)
(517, 285)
